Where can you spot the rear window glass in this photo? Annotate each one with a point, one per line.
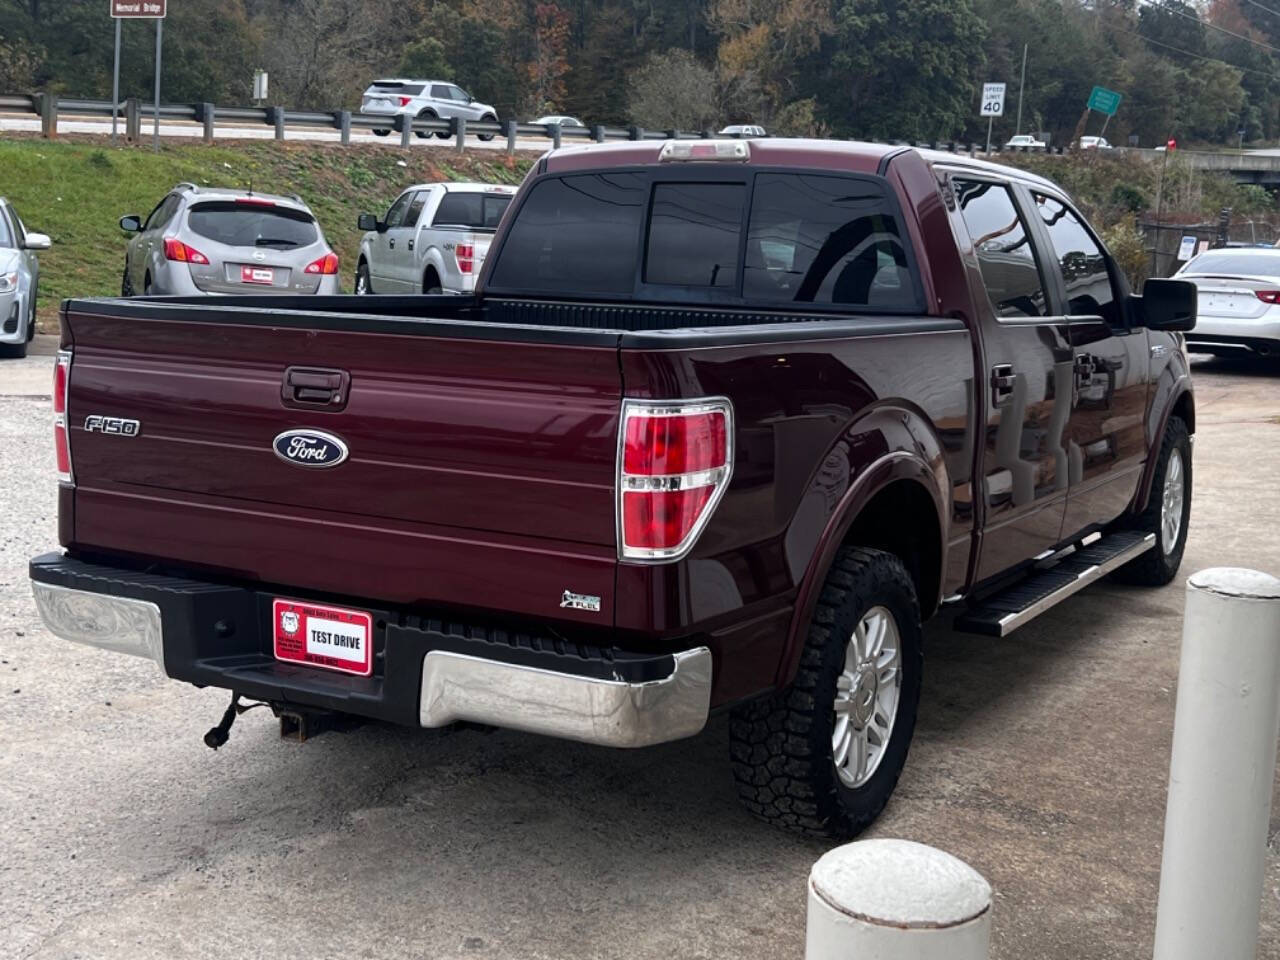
(1236, 264)
(252, 225)
(826, 240)
(693, 234)
(576, 234)
(479, 211)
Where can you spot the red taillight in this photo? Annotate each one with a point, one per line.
(61, 441)
(404, 101)
(175, 249)
(675, 465)
(1269, 296)
(327, 265)
(465, 254)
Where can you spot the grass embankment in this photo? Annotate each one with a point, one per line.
(76, 191)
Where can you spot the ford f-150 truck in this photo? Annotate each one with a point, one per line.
(726, 421)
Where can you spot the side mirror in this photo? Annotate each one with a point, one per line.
(38, 241)
(368, 222)
(1168, 305)
(131, 223)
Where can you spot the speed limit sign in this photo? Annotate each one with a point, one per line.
(992, 100)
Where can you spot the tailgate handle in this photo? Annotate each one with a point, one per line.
(314, 387)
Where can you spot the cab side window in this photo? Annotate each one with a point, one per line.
(395, 216)
(1081, 260)
(1003, 246)
(415, 208)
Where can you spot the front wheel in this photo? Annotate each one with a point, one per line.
(363, 286)
(126, 284)
(425, 115)
(380, 132)
(1168, 512)
(823, 757)
(489, 118)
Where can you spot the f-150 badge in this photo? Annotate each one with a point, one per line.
(114, 426)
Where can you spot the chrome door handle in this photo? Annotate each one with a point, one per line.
(1003, 380)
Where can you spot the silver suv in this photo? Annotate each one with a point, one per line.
(213, 240)
(19, 276)
(426, 100)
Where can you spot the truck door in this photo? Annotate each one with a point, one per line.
(1106, 438)
(1027, 372)
(382, 260)
(404, 254)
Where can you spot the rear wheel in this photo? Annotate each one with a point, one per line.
(823, 757)
(431, 282)
(14, 351)
(487, 118)
(425, 115)
(380, 132)
(363, 286)
(1168, 512)
(146, 285)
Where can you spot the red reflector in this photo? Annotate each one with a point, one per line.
(62, 448)
(327, 265)
(175, 249)
(661, 520)
(1269, 296)
(663, 446)
(60, 387)
(465, 254)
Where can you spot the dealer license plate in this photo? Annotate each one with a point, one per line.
(257, 275)
(334, 638)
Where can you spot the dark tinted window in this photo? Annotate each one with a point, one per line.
(1004, 250)
(162, 214)
(251, 225)
(402, 89)
(693, 234)
(440, 92)
(479, 211)
(576, 234)
(831, 240)
(6, 235)
(415, 208)
(395, 215)
(1084, 268)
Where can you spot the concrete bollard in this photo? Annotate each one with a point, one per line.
(1224, 760)
(896, 900)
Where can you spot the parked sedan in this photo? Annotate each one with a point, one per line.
(743, 130)
(212, 240)
(19, 277)
(423, 100)
(560, 120)
(1239, 308)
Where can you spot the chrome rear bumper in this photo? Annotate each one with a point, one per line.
(608, 712)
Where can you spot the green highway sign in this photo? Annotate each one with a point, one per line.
(1105, 101)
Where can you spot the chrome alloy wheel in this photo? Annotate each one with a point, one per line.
(362, 283)
(1175, 490)
(867, 694)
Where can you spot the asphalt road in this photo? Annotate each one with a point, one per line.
(229, 131)
(1041, 760)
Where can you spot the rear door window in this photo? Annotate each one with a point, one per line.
(1003, 246)
(415, 208)
(440, 91)
(694, 229)
(476, 211)
(252, 225)
(825, 240)
(575, 234)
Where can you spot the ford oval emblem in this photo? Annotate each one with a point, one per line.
(310, 448)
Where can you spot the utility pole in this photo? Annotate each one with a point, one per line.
(1021, 85)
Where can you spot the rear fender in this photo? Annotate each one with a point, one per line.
(886, 445)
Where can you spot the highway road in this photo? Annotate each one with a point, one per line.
(241, 131)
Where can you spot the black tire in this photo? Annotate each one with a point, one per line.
(379, 132)
(364, 285)
(431, 283)
(146, 285)
(32, 319)
(487, 118)
(1159, 566)
(14, 351)
(781, 746)
(426, 115)
(126, 285)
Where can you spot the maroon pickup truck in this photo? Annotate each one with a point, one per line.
(724, 424)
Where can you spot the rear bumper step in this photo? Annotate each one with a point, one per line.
(1001, 614)
(426, 672)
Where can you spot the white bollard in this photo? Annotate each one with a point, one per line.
(1220, 776)
(896, 900)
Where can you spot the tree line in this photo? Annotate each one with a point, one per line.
(912, 69)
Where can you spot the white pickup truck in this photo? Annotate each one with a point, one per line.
(433, 239)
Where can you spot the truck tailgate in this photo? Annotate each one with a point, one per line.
(480, 471)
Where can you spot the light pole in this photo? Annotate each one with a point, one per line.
(1021, 85)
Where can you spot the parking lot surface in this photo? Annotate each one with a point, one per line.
(1041, 759)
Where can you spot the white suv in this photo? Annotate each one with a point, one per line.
(425, 100)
